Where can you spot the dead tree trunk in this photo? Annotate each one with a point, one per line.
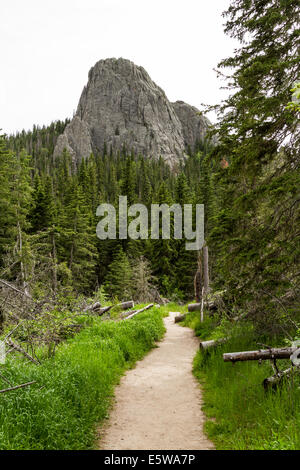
(94, 306)
(179, 318)
(205, 269)
(194, 307)
(263, 354)
(7, 284)
(126, 305)
(198, 279)
(139, 311)
(103, 310)
(17, 387)
(18, 348)
(204, 345)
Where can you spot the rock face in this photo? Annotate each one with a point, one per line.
(121, 106)
(76, 140)
(194, 127)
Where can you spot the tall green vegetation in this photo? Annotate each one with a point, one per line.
(73, 391)
(255, 237)
(242, 415)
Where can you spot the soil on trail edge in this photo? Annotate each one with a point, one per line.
(158, 403)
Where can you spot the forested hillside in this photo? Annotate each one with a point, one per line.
(51, 241)
(245, 172)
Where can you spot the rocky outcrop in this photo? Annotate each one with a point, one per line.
(194, 126)
(76, 139)
(122, 107)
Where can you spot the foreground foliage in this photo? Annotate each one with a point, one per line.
(73, 390)
(241, 414)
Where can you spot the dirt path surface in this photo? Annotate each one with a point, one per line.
(158, 403)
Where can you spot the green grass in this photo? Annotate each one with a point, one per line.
(74, 389)
(241, 415)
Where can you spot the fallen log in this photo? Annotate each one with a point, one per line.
(194, 307)
(126, 314)
(126, 305)
(276, 379)
(10, 286)
(204, 345)
(18, 348)
(96, 307)
(262, 354)
(179, 318)
(104, 310)
(209, 305)
(139, 311)
(17, 387)
(93, 307)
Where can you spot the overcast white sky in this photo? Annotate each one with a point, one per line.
(48, 47)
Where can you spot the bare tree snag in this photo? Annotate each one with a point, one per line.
(202, 304)
(262, 354)
(205, 269)
(198, 279)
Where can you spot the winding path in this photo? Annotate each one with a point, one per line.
(158, 403)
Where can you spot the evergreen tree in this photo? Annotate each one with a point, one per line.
(77, 241)
(163, 252)
(185, 262)
(118, 282)
(128, 186)
(254, 235)
(15, 200)
(6, 214)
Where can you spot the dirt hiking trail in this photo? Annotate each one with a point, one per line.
(158, 403)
